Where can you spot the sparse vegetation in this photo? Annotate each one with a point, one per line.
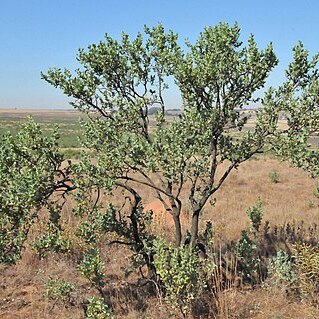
(59, 290)
(255, 214)
(274, 177)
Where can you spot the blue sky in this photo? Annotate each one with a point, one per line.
(38, 34)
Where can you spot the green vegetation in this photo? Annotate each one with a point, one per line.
(67, 121)
(274, 177)
(29, 174)
(179, 271)
(97, 309)
(183, 160)
(57, 289)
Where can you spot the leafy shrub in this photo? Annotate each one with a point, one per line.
(29, 174)
(179, 270)
(246, 252)
(208, 238)
(255, 214)
(92, 268)
(97, 309)
(54, 240)
(281, 268)
(57, 289)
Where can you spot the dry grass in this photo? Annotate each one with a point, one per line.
(21, 290)
(262, 304)
(283, 202)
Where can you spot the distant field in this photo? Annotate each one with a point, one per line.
(67, 120)
(69, 124)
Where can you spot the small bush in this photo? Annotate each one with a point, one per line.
(179, 271)
(255, 214)
(97, 309)
(92, 268)
(281, 268)
(57, 289)
(246, 252)
(274, 177)
(54, 241)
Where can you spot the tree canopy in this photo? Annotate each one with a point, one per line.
(119, 82)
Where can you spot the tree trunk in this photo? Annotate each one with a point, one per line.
(194, 227)
(178, 226)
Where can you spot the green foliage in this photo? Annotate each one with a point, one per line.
(208, 235)
(255, 214)
(57, 289)
(274, 177)
(281, 268)
(92, 268)
(89, 232)
(97, 309)
(29, 174)
(52, 241)
(123, 80)
(246, 252)
(54, 238)
(179, 270)
(297, 97)
(105, 224)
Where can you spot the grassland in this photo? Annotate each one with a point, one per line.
(288, 201)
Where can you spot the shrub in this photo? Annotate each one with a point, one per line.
(97, 309)
(179, 270)
(57, 289)
(54, 240)
(281, 268)
(246, 252)
(255, 214)
(92, 268)
(274, 177)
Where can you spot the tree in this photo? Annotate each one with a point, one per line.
(120, 81)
